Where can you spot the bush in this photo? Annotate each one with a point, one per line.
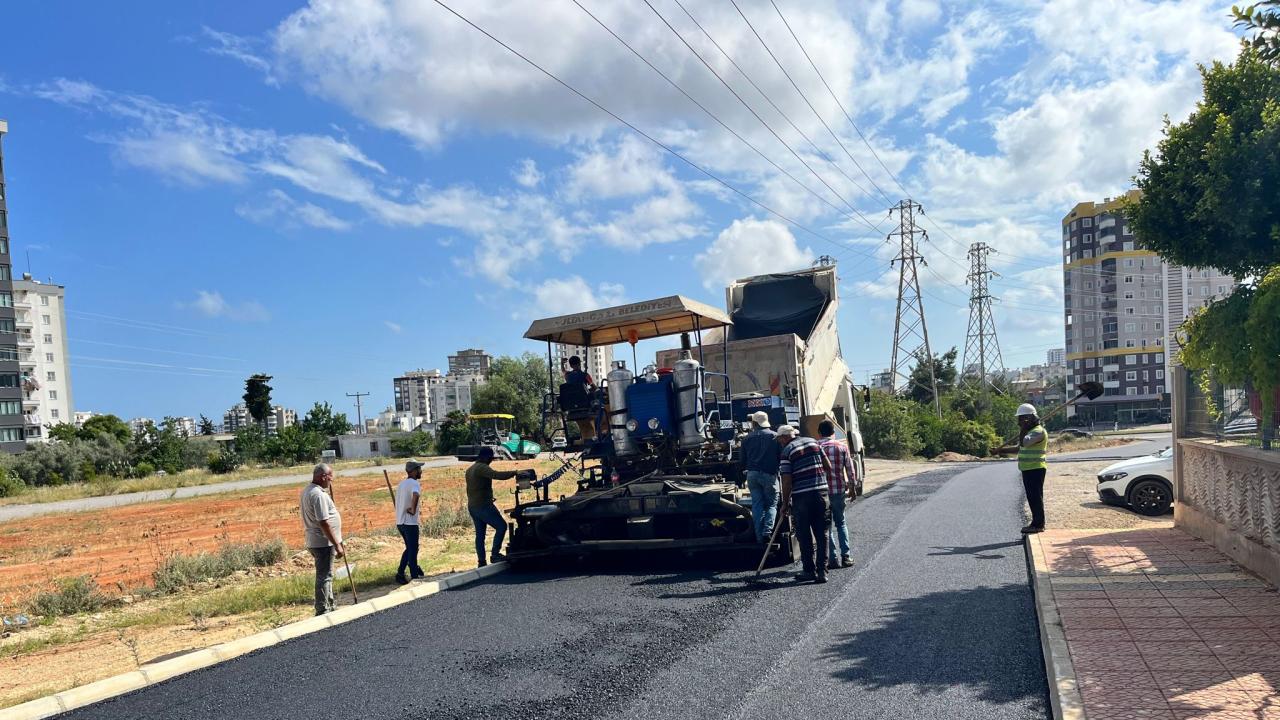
(180, 571)
(74, 595)
(889, 428)
(444, 519)
(292, 445)
(412, 444)
(143, 469)
(10, 484)
(930, 429)
(223, 461)
(969, 437)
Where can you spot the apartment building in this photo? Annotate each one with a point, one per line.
(452, 394)
(473, 362)
(1055, 356)
(411, 391)
(13, 424)
(1114, 315)
(80, 416)
(41, 321)
(1189, 290)
(597, 361)
(238, 417)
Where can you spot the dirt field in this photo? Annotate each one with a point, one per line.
(1071, 501)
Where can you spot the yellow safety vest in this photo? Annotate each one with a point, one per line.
(1031, 457)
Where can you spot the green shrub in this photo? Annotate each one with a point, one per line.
(10, 484)
(223, 461)
(444, 518)
(412, 444)
(889, 428)
(74, 595)
(930, 428)
(180, 571)
(969, 437)
(143, 469)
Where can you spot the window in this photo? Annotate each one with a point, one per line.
(11, 434)
(44, 319)
(1128, 246)
(1088, 363)
(1087, 222)
(1088, 237)
(1088, 285)
(1128, 262)
(54, 413)
(1130, 327)
(48, 339)
(33, 431)
(8, 353)
(1130, 359)
(1088, 332)
(1144, 342)
(1088, 253)
(1159, 357)
(1159, 325)
(10, 407)
(1204, 291)
(48, 357)
(50, 376)
(1159, 389)
(1128, 294)
(1144, 358)
(1129, 344)
(44, 300)
(1204, 273)
(6, 326)
(1088, 347)
(8, 380)
(1159, 342)
(1131, 391)
(1131, 375)
(1146, 375)
(53, 394)
(6, 299)
(1128, 311)
(1074, 223)
(1159, 374)
(373, 446)
(5, 273)
(1128, 279)
(1157, 293)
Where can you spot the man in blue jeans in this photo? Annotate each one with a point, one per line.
(484, 513)
(408, 494)
(760, 456)
(842, 484)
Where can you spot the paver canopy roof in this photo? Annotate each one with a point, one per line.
(628, 323)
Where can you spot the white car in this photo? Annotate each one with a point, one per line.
(1143, 483)
(559, 443)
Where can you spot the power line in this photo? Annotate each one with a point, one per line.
(909, 323)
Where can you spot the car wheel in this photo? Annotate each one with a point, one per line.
(1150, 497)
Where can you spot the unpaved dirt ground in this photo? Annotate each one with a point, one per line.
(1071, 501)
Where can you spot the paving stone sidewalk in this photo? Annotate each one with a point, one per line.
(1161, 625)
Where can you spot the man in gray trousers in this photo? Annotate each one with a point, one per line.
(322, 528)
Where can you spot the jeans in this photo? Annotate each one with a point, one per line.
(483, 517)
(811, 513)
(764, 502)
(839, 530)
(1033, 484)
(324, 578)
(409, 558)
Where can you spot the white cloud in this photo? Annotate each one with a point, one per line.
(526, 174)
(750, 247)
(632, 166)
(564, 296)
(241, 49)
(393, 327)
(277, 209)
(212, 304)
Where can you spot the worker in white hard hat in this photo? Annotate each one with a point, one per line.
(760, 457)
(1033, 441)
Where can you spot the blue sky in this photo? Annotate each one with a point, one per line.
(336, 192)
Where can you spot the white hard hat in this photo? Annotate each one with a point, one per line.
(760, 418)
(1027, 409)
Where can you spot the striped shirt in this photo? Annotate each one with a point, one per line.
(842, 466)
(802, 460)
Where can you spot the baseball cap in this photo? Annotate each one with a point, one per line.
(411, 465)
(760, 418)
(787, 431)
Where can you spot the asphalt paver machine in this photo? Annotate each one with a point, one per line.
(663, 472)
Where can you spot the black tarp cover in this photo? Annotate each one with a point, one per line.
(778, 305)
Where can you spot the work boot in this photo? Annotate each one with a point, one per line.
(1032, 529)
(846, 561)
(820, 579)
(833, 564)
(481, 562)
(805, 576)
(417, 574)
(497, 557)
(402, 580)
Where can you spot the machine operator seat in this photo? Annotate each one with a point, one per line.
(575, 401)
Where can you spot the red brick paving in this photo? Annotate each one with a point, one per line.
(1161, 626)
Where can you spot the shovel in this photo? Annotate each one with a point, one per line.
(1091, 390)
(777, 527)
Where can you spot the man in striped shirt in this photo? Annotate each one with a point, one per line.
(843, 481)
(804, 470)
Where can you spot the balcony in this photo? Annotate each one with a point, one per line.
(31, 402)
(32, 419)
(23, 321)
(27, 360)
(1109, 304)
(1109, 288)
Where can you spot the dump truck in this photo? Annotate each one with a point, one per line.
(784, 353)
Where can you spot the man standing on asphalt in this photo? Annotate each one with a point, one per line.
(408, 494)
(842, 470)
(1033, 442)
(322, 530)
(760, 456)
(484, 513)
(805, 469)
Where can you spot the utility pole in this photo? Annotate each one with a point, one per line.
(981, 346)
(910, 334)
(359, 415)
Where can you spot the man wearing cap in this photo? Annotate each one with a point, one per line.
(805, 469)
(760, 456)
(484, 512)
(1033, 441)
(408, 493)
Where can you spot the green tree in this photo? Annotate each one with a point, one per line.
(293, 444)
(63, 432)
(889, 428)
(412, 444)
(109, 425)
(206, 426)
(452, 432)
(944, 371)
(161, 447)
(1262, 17)
(515, 386)
(1209, 191)
(322, 419)
(257, 396)
(250, 442)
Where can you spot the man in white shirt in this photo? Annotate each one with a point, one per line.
(408, 493)
(322, 530)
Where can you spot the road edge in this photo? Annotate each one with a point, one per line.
(159, 672)
(1064, 689)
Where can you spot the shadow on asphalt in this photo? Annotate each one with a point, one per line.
(942, 640)
(981, 552)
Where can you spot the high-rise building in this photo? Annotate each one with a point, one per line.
(453, 394)
(411, 391)
(597, 361)
(472, 361)
(80, 416)
(13, 433)
(238, 417)
(1114, 315)
(1188, 290)
(1056, 356)
(41, 319)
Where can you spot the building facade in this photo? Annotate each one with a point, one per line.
(597, 361)
(238, 417)
(1114, 315)
(1056, 356)
(41, 322)
(472, 362)
(13, 424)
(452, 395)
(411, 391)
(1189, 290)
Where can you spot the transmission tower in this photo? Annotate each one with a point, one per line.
(910, 334)
(981, 347)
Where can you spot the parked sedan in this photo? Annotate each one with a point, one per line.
(1143, 483)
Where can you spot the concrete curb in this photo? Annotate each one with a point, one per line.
(166, 669)
(1064, 691)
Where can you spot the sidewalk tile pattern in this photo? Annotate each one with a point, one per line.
(1161, 625)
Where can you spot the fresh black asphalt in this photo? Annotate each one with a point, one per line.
(936, 620)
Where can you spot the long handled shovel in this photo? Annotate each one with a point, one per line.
(350, 578)
(1091, 390)
(777, 527)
